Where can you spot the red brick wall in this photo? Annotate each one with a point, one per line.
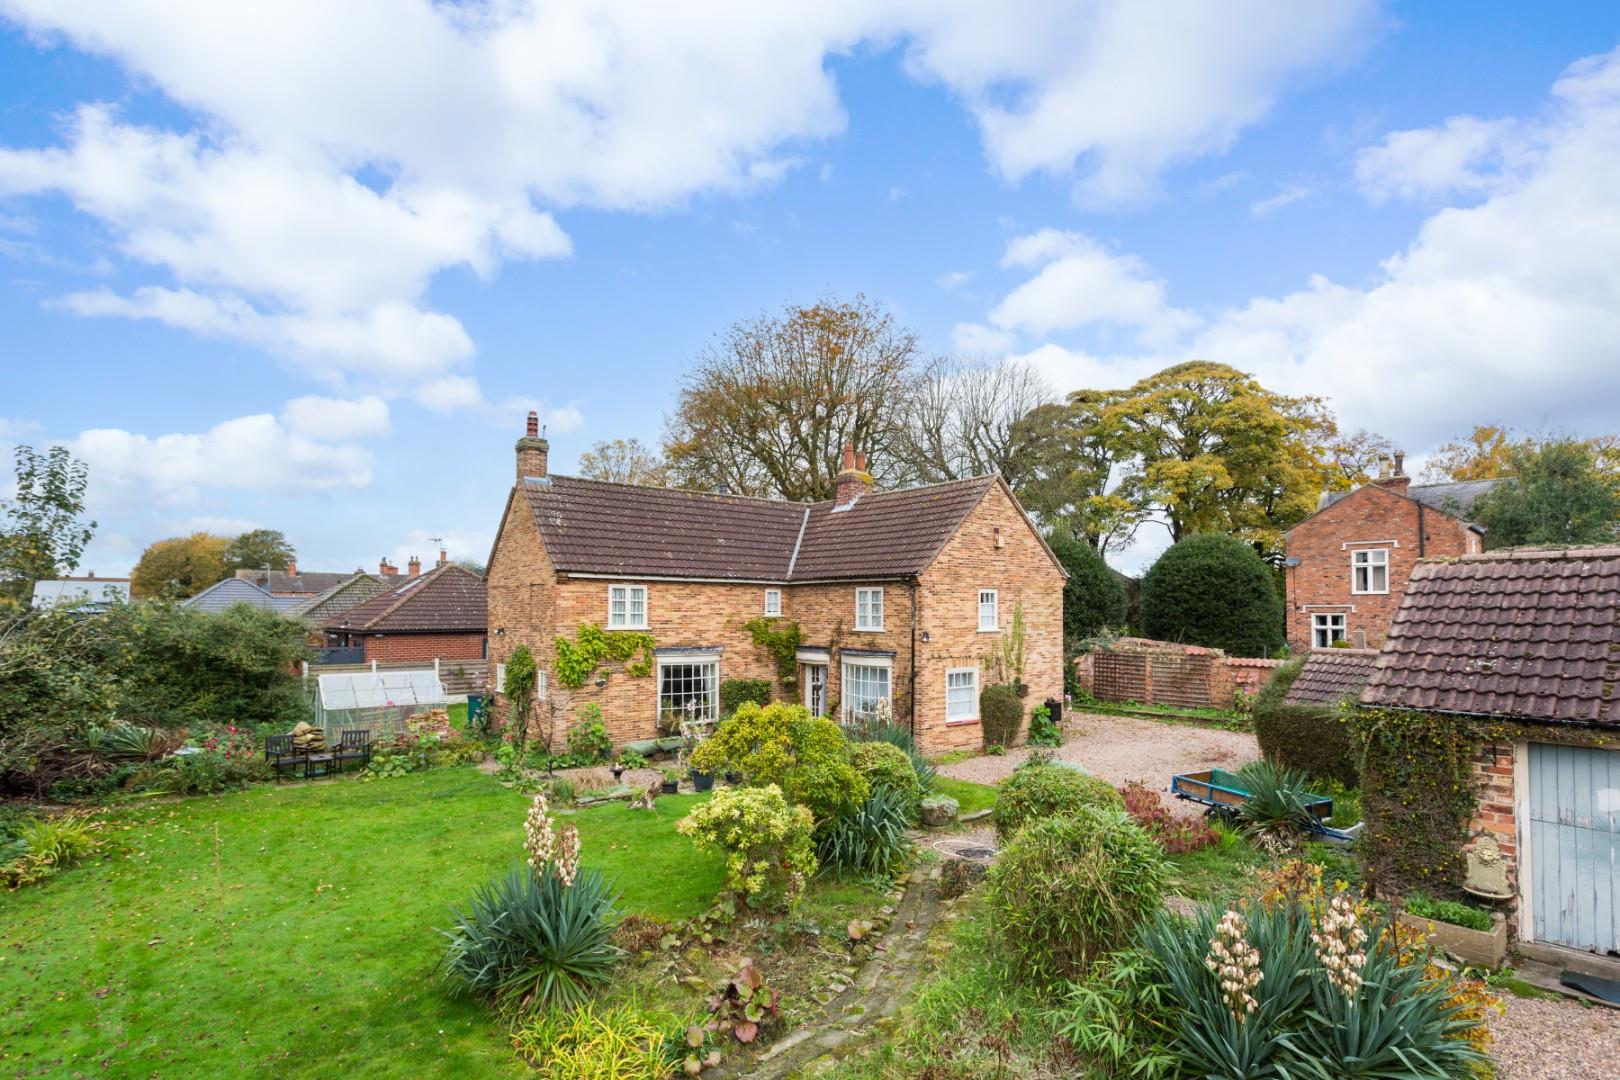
(1368, 517)
(428, 647)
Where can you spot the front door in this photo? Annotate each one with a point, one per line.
(815, 689)
(1574, 812)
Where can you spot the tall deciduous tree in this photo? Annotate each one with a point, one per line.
(624, 461)
(44, 531)
(1483, 454)
(1561, 491)
(1211, 450)
(257, 549)
(967, 421)
(768, 407)
(179, 567)
(1069, 479)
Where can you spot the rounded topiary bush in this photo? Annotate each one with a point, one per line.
(1041, 791)
(1312, 738)
(1093, 598)
(1068, 890)
(1213, 590)
(1001, 714)
(889, 767)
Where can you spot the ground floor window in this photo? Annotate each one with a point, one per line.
(1326, 628)
(962, 694)
(866, 690)
(688, 689)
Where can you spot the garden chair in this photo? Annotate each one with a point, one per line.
(279, 754)
(354, 744)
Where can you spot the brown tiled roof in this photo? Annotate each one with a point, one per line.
(448, 599)
(593, 527)
(1527, 633)
(281, 583)
(351, 592)
(1331, 675)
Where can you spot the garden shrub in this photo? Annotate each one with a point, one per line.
(1276, 814)
(886, 766)
(1213, 590)
(1314, 738)
(870, 838)
(769, 845)
(1041, 791)
(734, 693)
(1001, 714)
(1043, 731)
(1455, 912)
(882, 728)
(1093, 598)
(806, 757)
(588, 739)
(584, 1043)
(1174, 835)
(39, 847)
(1067, 890)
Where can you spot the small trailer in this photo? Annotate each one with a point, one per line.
(1222, 795)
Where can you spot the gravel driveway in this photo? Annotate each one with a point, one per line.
(1124, 748)
(1555, 1040)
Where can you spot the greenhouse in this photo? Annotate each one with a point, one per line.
(378, 700)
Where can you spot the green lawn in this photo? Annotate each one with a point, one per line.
(970, 797)
(288, 931)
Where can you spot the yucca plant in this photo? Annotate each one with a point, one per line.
(869, 838)
(128, 742)
(1277, 812)
(528, 937)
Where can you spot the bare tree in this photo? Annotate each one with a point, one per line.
(624, 461)
(965, 420)
(767, 408)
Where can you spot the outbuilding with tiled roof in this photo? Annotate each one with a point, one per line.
(439, 615)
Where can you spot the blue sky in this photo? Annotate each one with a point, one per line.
(310, 273)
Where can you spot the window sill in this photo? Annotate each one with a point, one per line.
(1369, 592)
(995, 630)
(613, 629)
(868, 630)
(961, 723)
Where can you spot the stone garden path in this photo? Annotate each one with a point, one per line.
(869, 1001)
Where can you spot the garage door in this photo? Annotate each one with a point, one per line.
(1575, 846)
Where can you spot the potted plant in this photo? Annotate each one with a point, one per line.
(1473, 935)
(701, 781)
(672, 782)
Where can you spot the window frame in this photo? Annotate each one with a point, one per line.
(884, 664)
(973, 702)
(995, 611)
(1358, 565)
(773, 594)
(629, 606)
(867, 593)
(1323, 622)
(500, 679)
(662, 663)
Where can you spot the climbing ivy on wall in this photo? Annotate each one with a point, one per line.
(578, 660)
(781, 639)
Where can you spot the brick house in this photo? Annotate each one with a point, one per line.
(439, 615)
(1528, 639)
(1347, 564)
(898, 595)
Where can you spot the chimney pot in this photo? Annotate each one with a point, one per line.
(292, 567)
(1400, 463)
(532, 451)
(534, 424)
(853, 481)
(414, 567)
(443, 558)
(849, 456)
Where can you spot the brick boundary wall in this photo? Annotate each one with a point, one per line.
(1164, 673)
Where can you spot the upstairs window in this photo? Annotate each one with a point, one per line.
(989, 615)
(868, 609)
(773, 602)
(1326, 628)
(1369, 571)
(627, 607)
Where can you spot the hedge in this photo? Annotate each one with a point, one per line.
(1213, 590)
(1314, 738)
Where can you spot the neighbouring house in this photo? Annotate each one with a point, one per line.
(439, 615)
(1347, 564)
(88, 593)
(1528, 640)
(235, 590)
(326, 606)
(898, 597)
(294, 582)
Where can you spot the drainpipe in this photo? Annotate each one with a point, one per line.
(912, 685)
(1421, 541)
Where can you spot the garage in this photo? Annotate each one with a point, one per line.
(1573, 850)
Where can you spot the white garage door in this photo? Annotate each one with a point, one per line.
(1574, 823)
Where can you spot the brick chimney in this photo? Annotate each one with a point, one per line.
(1394, 476)
(853, 480)
(443, 558)
(414, 567)
(532, 450)
(292, 567)
(386, 568)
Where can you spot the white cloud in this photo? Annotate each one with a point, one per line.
(255, 453)
(1509, 309)
(462, 393)
(1285, 196)
(976, 339)
(336, 418)
(342, 155)
(953, 280)
(217, 524)
(1080, 284)
(1462, 155)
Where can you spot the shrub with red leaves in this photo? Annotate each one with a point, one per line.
(1176, 835)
